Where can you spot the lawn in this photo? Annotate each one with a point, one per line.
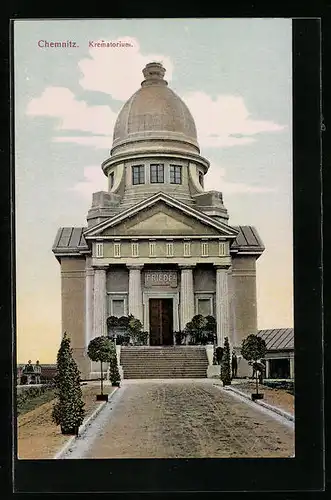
(38, 437)
(280, 398)
(24, 405)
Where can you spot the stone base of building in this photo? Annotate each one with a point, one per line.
(214, 371)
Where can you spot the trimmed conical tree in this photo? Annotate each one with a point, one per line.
(100, 350)
(225, 364)
(68, 411)
(114, 373)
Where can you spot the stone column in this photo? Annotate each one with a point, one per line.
(292, 367)
(99, 302)
(232, 315)
(267, 368)
(89, 277)
(135, 291)
(186, 295)
(222, 304)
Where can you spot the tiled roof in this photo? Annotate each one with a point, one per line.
(70, 240)
(248, 239)
(278, 338)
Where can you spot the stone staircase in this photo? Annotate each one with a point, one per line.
(163, 362)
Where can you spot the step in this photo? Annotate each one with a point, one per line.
(164, 368)
(162, 348)
(134, 377)
(142, 362)
(164, 365)
(163, 359)
(164, 375)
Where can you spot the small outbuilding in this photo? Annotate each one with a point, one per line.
(280, 352)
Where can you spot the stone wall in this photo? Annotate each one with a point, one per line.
(117, 279)
(73, 308)
(244, 289)
(204, 279)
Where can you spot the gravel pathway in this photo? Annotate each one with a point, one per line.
(182, 420)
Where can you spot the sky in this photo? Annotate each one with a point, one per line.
(235, 75)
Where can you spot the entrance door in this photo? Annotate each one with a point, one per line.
(160, 321)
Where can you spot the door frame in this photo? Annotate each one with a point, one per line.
(164, 307)
(161, 295)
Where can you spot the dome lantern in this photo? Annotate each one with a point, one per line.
(154, 73)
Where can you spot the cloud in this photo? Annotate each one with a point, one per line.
(96, 141)
(95, 180)
(117, 71)
(215, 180)
(221, 122)
(225, 121)
(72, 114)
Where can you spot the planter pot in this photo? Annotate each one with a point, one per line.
(102, 397)
(256, 396)
(71, 432)
(115, 384)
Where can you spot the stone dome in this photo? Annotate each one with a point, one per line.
(155, 115)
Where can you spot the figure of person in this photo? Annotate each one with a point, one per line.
(234, 365)
(258, 370)
(219, 354)
(28, 370)
(262, 370)
(37, 371)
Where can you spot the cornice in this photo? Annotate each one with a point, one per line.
(120, 158)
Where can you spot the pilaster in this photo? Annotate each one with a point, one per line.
(186, 295)
(89, 278)
(222, 304)
(292, 367)
(99, 302)
(135, 291)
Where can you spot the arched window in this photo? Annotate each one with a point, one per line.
(201, 178)
(111, 179)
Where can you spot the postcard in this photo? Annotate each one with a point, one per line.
(154, 239)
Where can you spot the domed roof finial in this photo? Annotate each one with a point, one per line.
(154, 73)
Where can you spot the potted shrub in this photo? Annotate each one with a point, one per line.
(225, 364)
(142, 338)
(180, 337)
(114, 374)
(196, 329)
(136, 331)
(253, 349)
(112, 323)
(68, 411)
(100, 350)
(210, 329)
(123, 322)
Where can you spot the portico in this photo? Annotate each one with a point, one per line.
(150, 287)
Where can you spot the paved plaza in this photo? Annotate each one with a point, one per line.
(182, 419)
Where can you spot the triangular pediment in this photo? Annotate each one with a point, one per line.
(161, 215)
(160, 220)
